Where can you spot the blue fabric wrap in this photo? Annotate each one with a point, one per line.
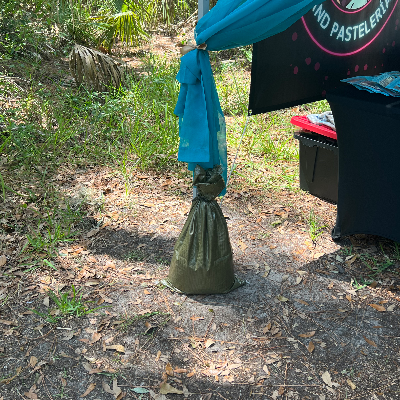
(231, 23)
(201, 120)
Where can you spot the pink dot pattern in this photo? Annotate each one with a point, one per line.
(317, 65)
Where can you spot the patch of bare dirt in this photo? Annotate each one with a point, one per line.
(299, 329)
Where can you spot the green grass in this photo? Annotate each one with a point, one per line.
(135, 255)
(66, 304)
(361, 284)
(135, 125)
(375, 266)
(53, 230)
(315, 229)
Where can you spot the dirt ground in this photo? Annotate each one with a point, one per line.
(298, 329)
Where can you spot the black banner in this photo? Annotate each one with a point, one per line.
(337, 39)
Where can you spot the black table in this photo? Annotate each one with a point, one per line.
(368, 130)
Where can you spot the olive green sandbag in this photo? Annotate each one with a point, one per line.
(202, 262)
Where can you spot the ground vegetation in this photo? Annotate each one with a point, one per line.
(92, 200)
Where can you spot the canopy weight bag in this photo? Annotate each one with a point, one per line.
(202, 262)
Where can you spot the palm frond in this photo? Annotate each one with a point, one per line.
(96, 69)
(126, 24)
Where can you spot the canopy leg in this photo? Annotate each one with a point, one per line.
(204, 7)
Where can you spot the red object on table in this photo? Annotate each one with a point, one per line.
(303, 122)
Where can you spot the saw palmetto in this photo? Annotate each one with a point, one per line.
(95, 69)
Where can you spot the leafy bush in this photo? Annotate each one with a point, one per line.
(25, 29)
(37, 28)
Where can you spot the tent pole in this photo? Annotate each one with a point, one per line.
(204, 7)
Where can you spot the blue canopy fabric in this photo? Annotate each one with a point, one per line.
(229, 24)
